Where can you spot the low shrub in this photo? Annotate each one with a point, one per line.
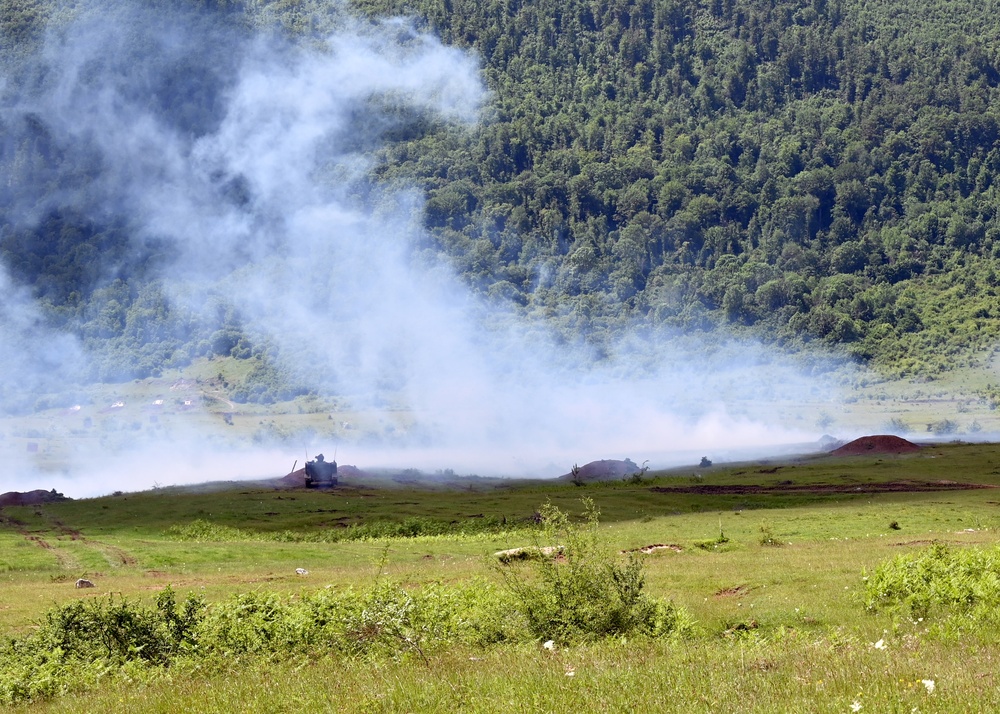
(385, 620)
(79, 643)
(938, 581)
(585, 592)
(713, 543)
(86, 641)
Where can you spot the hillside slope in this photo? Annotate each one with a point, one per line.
(811, 170)
(803, 172)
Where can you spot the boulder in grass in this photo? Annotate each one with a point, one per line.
(529, 552)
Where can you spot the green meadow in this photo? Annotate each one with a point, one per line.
(762, 600)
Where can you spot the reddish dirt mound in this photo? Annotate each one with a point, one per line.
(603, 470)
(881, 444)
(30, 498)
(295, 479)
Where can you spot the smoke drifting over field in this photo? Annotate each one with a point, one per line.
(241, 163)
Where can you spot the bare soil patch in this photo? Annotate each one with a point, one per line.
(647, 549)
(732, 591)
(116, 557)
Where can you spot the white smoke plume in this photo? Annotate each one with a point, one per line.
(253, 177)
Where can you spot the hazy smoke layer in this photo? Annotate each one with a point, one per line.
(245, 159)
(34, 358)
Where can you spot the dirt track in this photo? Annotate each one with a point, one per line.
(821, 488)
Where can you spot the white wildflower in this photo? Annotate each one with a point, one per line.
(928, 685)
(571, 673)
(855, 706)
(549, 645)
(880, 645)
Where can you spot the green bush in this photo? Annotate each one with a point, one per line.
(585, 593)
(117, 630)
(81, 643)
(85, 640)
(938, 582)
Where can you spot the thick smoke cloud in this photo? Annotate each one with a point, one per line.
(245, 160)
(35, 358)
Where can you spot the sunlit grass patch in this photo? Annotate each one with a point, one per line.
(772, 628)
(791, 675)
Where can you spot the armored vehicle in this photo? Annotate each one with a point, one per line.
(321, 473)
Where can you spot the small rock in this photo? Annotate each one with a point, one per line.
(301, 571)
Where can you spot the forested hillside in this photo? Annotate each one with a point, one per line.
(815, 170)
(806, 172)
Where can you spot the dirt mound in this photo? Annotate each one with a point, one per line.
(604, 470)
(880, 444)
(297, 479)
(30, 498)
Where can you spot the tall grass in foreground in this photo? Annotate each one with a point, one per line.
(85, 643)
(475, 648)
(794, 674)
(575, 633)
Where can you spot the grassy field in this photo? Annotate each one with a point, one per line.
(773, 582)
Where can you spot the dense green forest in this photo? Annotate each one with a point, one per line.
(811, 170)
(817, 172)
